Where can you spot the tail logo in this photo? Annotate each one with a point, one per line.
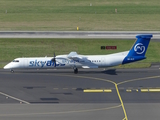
(139, 48)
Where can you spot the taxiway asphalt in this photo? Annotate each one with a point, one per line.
(60, 94)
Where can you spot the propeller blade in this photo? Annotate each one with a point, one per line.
(54, 60)
(55, 64)
(54, 55)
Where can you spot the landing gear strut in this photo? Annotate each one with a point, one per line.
(12, 71)
(75, 70)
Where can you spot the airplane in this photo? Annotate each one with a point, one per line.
(75, 61)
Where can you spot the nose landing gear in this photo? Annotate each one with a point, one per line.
(12, 71)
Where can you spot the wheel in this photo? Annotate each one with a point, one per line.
(12, 71)
(76, 70)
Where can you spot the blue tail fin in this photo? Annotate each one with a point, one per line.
(139, 49)
(140, 46)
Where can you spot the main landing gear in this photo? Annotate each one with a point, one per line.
(75, 70)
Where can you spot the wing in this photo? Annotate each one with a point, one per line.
(73, 56)
(83, 60)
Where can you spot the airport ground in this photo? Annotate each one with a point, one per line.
(90, 94)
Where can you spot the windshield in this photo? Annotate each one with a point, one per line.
(15, 61)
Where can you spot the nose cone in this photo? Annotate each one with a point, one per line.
(8, 66)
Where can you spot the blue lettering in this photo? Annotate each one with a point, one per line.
(31, 63)
(48, 63)
(52, 63)
(42, 63)
(36, 63)
(62, 64)
(71, 61)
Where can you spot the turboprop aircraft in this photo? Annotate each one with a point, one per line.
(75, 61)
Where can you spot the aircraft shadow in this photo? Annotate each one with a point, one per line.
(111, 71)
(81, 71)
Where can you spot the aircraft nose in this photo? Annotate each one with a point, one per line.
(7, 66)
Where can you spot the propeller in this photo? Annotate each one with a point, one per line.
(54, 60)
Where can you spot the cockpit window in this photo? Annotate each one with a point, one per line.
(15, 61)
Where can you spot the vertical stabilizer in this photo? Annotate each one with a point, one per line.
(139, 49)
(140, 46)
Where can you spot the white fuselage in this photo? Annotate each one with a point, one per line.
(62, 61)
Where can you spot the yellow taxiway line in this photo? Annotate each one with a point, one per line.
(93, 91)
(101, 79)
(154, 90)
(150, 90)
(96, 90)
(125, 114)
(144, 90)
(128, 90)
(107, 90)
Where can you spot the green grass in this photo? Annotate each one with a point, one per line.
(14, 48)
(68, 14)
